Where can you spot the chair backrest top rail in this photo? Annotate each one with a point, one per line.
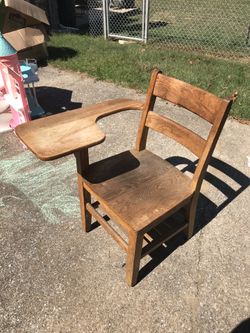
(203, 103)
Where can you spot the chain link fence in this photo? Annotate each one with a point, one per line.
(123, 18)
(211, 27)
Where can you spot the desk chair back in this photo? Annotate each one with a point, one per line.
(198, 101)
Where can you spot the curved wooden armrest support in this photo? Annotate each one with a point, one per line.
(65, 133)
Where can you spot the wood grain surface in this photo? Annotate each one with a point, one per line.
(192, 98)
(62, 134)
(139, 187)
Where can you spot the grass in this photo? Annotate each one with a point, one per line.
(218, 27)
(130, 65)
(212, 25)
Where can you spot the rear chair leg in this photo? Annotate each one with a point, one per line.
(133, 257)
(190, 215)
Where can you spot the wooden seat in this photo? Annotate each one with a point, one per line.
(139, 187)
(136, 189)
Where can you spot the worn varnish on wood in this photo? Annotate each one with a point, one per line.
(136, 189)
(139, 187)
(65, 133)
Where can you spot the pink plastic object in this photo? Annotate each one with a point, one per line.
(12, 89)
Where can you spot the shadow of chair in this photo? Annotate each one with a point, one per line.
(207, 209)
(243, 327)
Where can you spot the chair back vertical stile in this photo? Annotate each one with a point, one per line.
(148, 105)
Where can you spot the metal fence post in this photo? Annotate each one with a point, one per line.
(143, 21)
(146, 21)
(105, 22)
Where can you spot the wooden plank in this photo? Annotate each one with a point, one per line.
(194, 99)
(181, 134)
(124, 10)
(139, 188)
(62, 134)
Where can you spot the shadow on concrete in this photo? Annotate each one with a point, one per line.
(55, 100)
(135, 28)
(206, 210)
(243, 327)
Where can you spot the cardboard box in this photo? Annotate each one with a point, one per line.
(23, 27)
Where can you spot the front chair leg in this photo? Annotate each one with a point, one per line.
(82, 163)
(133, 257)
(85, 198)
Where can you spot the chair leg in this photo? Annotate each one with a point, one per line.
(190, 217)
(133, 258)
(190, 229)
(82, 163)
(84, 197)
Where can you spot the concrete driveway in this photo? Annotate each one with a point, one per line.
(55, 278)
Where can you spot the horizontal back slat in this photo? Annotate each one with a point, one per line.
(194, 99)
(181, 134)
